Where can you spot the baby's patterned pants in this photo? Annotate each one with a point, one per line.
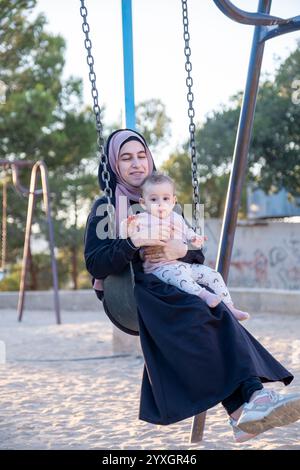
(187, 277)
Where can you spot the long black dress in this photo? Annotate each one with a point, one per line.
(195, 356)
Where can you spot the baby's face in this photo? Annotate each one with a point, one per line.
(158, 199)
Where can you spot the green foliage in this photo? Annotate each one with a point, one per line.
(44, 118)
(11, 281)
(215, 141)
(152, 122)
(276, 140)
(213, 188)
(273, 161)
(43, 274)
(274, 152)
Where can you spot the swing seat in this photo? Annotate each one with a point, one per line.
(119, 302)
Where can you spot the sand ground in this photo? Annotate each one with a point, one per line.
(63, 387)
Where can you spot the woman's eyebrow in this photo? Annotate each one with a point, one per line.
(129, 153)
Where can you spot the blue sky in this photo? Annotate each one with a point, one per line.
(220, 53)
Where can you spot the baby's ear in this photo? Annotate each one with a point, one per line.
(175, 199)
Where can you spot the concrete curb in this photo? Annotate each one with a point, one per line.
(255, 300)
(80, 300)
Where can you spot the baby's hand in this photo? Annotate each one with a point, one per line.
(198, 241)
(129, 226)
(133, 225)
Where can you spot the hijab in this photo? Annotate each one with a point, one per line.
(117, 183)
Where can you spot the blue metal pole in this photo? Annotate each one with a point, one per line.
(128, 63)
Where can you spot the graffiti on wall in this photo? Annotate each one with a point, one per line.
(261, 259)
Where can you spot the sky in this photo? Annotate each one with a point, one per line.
(220, 53)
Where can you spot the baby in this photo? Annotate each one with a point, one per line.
(158, 199)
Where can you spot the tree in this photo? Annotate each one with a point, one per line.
(43, 117)
(273, 161)
(276, 138)
(274, 151)
(178, 167)
(153, 122)
(212, 187)
(73, 193)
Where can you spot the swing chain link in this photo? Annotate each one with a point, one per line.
(4, 226)
(191, 115)
(105, 175)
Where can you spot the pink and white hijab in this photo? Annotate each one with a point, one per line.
(122, 188)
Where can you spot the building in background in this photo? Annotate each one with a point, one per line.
(261, 205)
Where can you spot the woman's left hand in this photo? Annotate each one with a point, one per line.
(172, 249)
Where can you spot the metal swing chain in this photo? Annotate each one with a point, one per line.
(191, 115)
(105, 175)
(4, 226)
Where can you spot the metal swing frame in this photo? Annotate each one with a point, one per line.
(32, 193)
(266, 27)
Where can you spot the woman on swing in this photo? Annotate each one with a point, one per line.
(195, 356)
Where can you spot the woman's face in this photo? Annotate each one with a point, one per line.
(133, 163)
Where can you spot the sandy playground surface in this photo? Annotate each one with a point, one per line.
(63, 387)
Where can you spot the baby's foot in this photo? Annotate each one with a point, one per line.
(212, 300)
(238, 314)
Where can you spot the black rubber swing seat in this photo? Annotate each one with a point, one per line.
(119, 302)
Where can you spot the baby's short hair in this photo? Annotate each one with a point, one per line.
(157, 178)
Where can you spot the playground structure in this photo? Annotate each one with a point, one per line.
(32, 193)
(118, 301)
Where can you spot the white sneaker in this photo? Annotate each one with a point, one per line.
(268, 410)
(238, 434)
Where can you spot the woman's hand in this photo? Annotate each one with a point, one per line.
(169, 251)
